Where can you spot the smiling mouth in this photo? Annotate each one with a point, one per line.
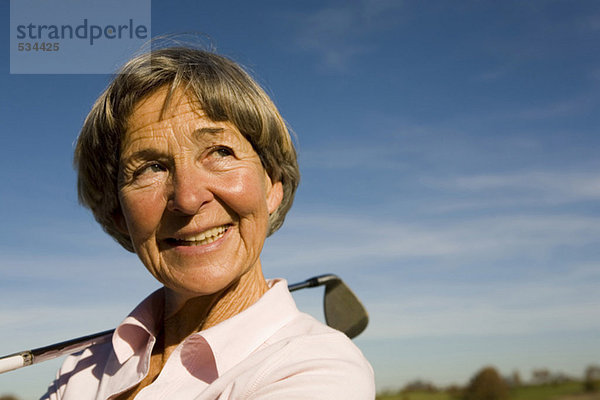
(206, 237)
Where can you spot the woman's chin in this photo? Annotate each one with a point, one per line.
(200, 282)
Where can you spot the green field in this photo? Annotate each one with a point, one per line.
(416, 396)
(565, 391)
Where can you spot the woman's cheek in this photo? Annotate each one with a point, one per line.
(247, 194)
(143, 210)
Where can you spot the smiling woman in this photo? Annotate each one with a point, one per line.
(185, 161)
(194, 197)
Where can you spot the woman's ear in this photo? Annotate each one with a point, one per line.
(274, 196)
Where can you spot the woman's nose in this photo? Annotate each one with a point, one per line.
(189, 192)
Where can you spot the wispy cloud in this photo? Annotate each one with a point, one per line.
(48, 317)
(546, 302)
(594, 74)
(483, 316)
(337, 34)
(95, 264)
(545, 293)
(590, 23)
(366, 156)
(579, 185)
(493, 74)
(563, 108)
(524, 188)
(347, 241)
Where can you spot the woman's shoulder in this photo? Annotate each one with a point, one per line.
(80, 373)
(306, 334)
(308, 356)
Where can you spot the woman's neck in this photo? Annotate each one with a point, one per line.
(185, 316)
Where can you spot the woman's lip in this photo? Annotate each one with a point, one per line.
(187, 246)
(200, 235)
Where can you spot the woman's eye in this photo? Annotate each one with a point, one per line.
(154, 168)
(223, 151)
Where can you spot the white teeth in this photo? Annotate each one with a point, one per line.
(207, 236)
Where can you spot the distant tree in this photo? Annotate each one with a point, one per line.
(385, 393)
(541, 376)
(560, 378)
(514, 379)
(591, 379)
(454, 391)
(8, 397)
(487, 384)
(419, 385)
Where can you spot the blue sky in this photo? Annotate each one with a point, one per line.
(450, 175)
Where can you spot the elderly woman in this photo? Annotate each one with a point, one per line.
(185, 161)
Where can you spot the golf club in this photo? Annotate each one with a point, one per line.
(343, 311)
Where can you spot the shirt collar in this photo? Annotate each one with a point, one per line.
(229, 341)
(237, 337)
(132, 335)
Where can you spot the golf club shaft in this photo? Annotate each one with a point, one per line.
(41, 354)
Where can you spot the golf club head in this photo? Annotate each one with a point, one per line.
(343, 310)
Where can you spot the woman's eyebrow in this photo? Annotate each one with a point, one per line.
(148, 154)
(198, 133)
(144, 154)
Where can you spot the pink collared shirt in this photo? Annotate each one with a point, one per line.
(269, 351)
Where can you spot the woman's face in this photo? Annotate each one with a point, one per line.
(194, 196)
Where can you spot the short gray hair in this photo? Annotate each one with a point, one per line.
(224, 91)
